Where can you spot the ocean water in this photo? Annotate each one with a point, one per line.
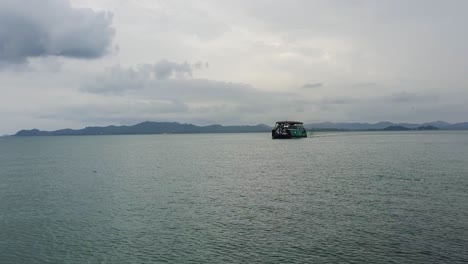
(383, 197)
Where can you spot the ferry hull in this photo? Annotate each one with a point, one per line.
(288, 134)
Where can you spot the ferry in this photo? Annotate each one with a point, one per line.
(288, 129)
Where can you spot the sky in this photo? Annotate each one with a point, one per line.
(77, 63)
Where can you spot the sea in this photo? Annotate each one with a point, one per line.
(342, 197)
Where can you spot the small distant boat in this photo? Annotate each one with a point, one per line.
(288, 129)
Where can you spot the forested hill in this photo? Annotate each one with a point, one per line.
(147, 128)
(177, 128)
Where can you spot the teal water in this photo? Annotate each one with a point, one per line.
(383, 197)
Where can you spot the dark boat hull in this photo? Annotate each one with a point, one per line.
(288, 135)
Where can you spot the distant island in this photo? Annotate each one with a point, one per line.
(386, 126)
(396, 128)
(147, 128)
(178, 128)
(402, 128)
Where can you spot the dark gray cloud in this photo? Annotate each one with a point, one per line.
(51, 28)
(311, 85)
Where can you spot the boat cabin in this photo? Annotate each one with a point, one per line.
(288, 129)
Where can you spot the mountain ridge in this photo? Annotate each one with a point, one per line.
(382, 125)
(149, 127)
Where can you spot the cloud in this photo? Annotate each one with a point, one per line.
(408, 97)
(166, 69)
(311, 85)
(119, 110)
(51, 28)
(203, 100)
(167, 80)
(117, 79)
(365, 85)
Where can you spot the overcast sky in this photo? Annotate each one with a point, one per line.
(100, 62)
